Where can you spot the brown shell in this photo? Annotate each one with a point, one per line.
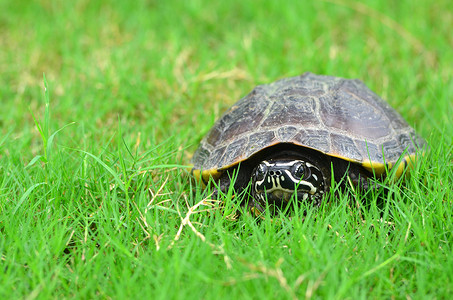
(336, 116)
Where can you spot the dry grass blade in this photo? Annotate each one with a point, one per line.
(186, 220)
(154, 196)
(236, 73)
(157, 240)
(276, 273)
(218, 249)
(313, 286)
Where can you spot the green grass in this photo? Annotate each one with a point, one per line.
(94, 197)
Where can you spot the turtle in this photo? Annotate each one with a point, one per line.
(292, 138)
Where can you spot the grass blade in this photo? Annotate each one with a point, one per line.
(25, 196)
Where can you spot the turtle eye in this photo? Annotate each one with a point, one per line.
(298, 170)
(260, 171)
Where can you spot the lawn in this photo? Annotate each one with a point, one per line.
(104, 102)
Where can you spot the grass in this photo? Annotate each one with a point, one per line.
(95, 200)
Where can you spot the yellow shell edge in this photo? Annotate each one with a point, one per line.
(203, 176)
(379, 168)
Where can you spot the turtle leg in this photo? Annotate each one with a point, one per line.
(224, 183)
(355, 174)
(359, 179)
(239, 176)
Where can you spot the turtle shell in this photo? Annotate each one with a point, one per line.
(336, 116)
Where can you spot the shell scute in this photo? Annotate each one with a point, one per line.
(343, 144)
(293, 110)
(318, 139)
(287, 133)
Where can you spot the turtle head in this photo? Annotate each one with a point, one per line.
(276, 182)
